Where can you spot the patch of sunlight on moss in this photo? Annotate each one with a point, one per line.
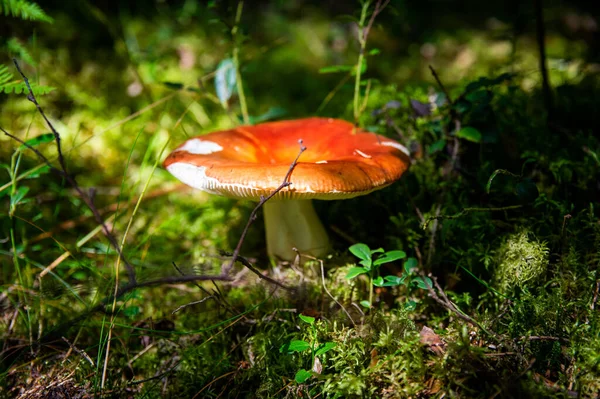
(521, 259)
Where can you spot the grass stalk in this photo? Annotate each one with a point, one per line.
(362, 40)
(236, 62)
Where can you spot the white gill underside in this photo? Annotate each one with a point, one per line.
(195, 176)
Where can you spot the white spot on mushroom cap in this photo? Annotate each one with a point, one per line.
(397, 146)
(201, 147)
(320, 162)
(362, 154)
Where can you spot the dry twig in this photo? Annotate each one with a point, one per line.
(286, 182)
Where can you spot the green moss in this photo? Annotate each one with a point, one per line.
(520, 260)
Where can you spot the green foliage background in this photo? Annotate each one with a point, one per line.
(500, 204)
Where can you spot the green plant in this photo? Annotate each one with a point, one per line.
(299, 345)
(24, 10)
(370, 266)
(9, 85)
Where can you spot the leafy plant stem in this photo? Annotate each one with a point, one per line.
(236, 61)
(362, 40)
(312, 345)
(370, 290)
(118, 264)
(14, 167)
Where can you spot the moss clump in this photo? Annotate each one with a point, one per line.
(520, 260)
(374, 360)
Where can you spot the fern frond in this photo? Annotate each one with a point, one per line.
(20, 87)
(8, 86)
(15, 48)
(5, 74)
(25, 10)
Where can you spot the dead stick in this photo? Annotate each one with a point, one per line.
(286, 182)
(71, 180)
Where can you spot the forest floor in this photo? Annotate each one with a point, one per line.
(112, 281)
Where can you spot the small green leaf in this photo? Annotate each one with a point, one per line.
(377, 251)
(307, 319)
(437, 146)
(393, 281)
(378, 282)
(323, 348)
(336, 68)
(294, 346)
(18, 196)
(389, 257)
(34, 142)
(365, 304)
(302, 375)
(410, 305)
(173, 85)
(410, 265)
(131, 311)
(488, 186)
(423, 282)
(41, 171)
(469, 133)
(361, 251)
(355, 271)
(374, 51)
(344, 68)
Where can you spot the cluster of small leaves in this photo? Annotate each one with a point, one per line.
(299, 345)
(17, 49)
(25, 10)
(9, 85)
(372, 259)
(18, 193)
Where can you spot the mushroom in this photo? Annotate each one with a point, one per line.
(248, 162)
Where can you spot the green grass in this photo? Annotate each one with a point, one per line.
(517, 258)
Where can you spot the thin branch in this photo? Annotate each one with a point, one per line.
(71, 180)
(31, 97)
(249, 265)
(192, 303)
(443, 300)
(543, 338)
(197, 285)
(378, 8)
(324, 286)
(35, 150)
(286, 182)
(81, 352)
(468, 210)
(439, 82)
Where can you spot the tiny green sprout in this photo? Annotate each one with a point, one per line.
(300, 346)
(371, 259)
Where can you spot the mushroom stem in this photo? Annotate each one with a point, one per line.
(294, 224)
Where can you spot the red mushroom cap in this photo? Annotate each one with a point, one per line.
(341, 161)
